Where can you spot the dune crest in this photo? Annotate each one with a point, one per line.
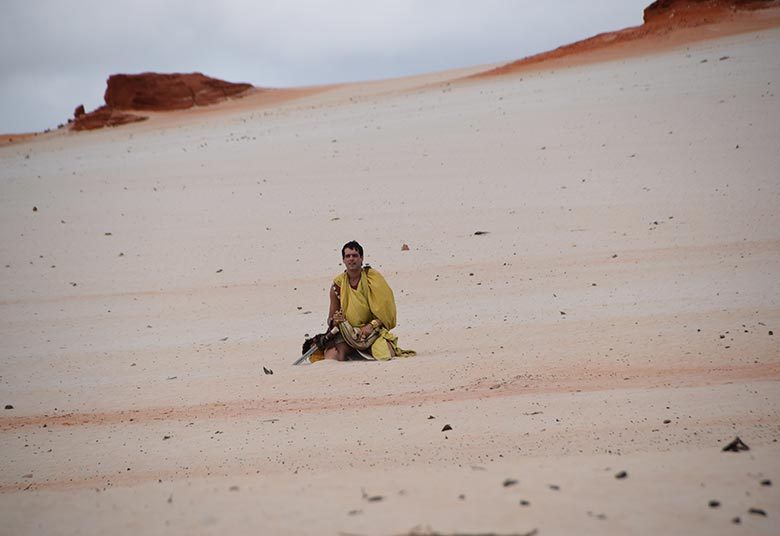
(666, 22)
(158, 92)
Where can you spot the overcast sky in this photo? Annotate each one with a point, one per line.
(56, 54)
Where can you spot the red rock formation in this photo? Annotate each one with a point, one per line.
(79, 111)
(686, 13)
(104, 117)
(154, 92)
(161, 92)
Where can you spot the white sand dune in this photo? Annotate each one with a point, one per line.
(616, 317)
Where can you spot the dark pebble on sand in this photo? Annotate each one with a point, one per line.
(736, 520)
(555, 487)
(9, 406)
(714, 504)
(757, 512)
(267, 370)
(446, 427)
(766, 482)
(621, 474)
(509, 482)
(736, 446)
(525, 503)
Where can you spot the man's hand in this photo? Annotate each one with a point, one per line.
(366, 330)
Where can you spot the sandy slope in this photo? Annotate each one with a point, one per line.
(616, 316)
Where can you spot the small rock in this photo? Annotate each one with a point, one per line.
(234, 488)
(523, 502)
(621, 474)
(35, 209)
(478, 233)
(509, 482)
(714, 504)
(431, 417)
(555, 487)
(166, 437)
(405, 247)
(766, 482)
(736, 446)
(667, 421)
(757, 512)
(267, 370)
(771, 332)
(446, 427)
(219, 271)
(736, 520)
(9, 406)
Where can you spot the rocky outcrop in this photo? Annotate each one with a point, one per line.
(156, 92)
(161, 92)
(104, 116)
(685, 13)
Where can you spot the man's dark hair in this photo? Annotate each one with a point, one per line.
(352, 245)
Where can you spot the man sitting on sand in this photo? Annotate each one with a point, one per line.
(362, 297)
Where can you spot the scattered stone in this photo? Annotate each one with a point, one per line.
(723, 58)
(9, 406)
(714, 504)
(28, 475)
(219, 271)
(462, 497)
(35, 209)
(771, 332)
(234, 488)
(523, 502)
(354, 512)
(478, 233)
(509, 482)
(405, 247)
(555, 487)
(107, 234)
(563, 313)
(667, 421)
(446, 427)
(267, 370)
(165, 437)
(79, 111)
(431, 417)
(766, 482)
(170, 498)
(614, 256)
(757, 512)
(736, 520)
(736, 446)
(621, 474)
(373, 498)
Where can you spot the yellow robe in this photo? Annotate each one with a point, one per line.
(372, 299)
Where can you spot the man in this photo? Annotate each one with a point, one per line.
(362, 297)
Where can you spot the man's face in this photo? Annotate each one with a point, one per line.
(352, 259)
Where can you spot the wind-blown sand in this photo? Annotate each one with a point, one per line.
(621, 314)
